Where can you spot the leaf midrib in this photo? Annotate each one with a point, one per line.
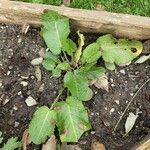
(72, 122)
(46, 117)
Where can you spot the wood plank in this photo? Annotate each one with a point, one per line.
(120, 25)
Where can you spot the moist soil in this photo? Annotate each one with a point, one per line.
(105, 108)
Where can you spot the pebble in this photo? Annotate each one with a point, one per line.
(112, 85)
(15, 108)
(92, 114)
(6, 101)
(131, 94)
(92, 132)
(122, 71)
(112, 110)
(10, 67)
(24, 83)
(30, 101)
(37, 61)
(117, 102)
(23, 77)
(19, 40)
(16, 124)
(8, 73)
(0, 84)
(41, 88)
(95, 92)
(19, 93)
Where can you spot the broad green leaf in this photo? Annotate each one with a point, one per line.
(92, 72)
(78, 52)
(110, 66)
(69, 46)
(42, 125)
(119, 51)
(12, 144)
(49, 64)
(50, 55)
(55, 30)
(77, 84)
(64, 66)
(72, 120)
(56, 72)
(91, 53)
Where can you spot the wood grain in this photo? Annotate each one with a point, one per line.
(120, 25)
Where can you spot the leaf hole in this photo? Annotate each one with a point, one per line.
(134, 50)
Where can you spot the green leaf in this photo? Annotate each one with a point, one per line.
(72, 120)
(55, 30)
(56, 72)
(69, 46)
(42, 125)
(64, 66)
(120, 51)
(49, 64)
(12, 144)
(91, 53)
(50, 55)
(110, 66)
(93, 72)
(77, 84)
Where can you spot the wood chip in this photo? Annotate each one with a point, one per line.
(97, 146)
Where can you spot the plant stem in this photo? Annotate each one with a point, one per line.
(130, 103)
(57, 98)
(66, 57)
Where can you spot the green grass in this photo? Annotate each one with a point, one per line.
(135, 7)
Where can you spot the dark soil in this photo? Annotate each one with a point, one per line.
(16, 53)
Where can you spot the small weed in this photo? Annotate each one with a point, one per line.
(78, 66)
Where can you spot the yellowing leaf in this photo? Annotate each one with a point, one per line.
(78, 52)
(42, 125)
(69, 124)
(91, 53)
(55, 31)
(120, 51)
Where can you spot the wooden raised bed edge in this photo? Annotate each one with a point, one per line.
(119, 25)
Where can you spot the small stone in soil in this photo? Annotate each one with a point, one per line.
(112, 110)
(16, 124)
(30, 101)
(23, 77)
(122, 71)
(117, 102)
(15, 108)
(5, 101)
(24, 83)
(19, 93)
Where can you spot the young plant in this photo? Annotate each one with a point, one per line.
(79, 66)
(11, 144)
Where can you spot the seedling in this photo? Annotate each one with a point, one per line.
(78, 64)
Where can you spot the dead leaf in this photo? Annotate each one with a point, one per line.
(50, 144)
(70, 147)
(66, 3)
(97, 146)
(130, 122)
(38, 73)
(101, 83)
(25, 28)
(37, 61)
(100, 7)
(142, 59)
(25, 139)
